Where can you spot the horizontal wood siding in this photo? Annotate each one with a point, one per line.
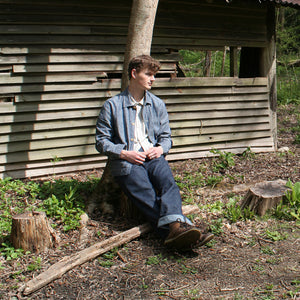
(56, 61)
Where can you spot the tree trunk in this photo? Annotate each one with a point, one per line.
(207, 66)
(223, 62)
(32, 232)
(139, 39)
(264, 195)
(140, 32)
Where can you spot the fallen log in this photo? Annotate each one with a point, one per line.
(76, 259)
(264, 195)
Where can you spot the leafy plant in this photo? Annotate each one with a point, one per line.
(275, 235)
(155, 260)
(66, 210)
(248, 153)
(233, 211)
(35, 265)
(9, 252)
(225, 160)
(107, 259)
(289, 206)
(216, 226)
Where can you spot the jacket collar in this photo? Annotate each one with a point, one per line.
(128, 103)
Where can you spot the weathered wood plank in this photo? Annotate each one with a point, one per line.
(97, 103)
(115, 67)
(102, 93)
(67, 49)
(51, 58)
(85, 133)
(51, 126)
(89, 141)
(264, 142)
(88, 113)
(9, 79)
(201, 139)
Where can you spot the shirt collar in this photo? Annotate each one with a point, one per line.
(128, 102)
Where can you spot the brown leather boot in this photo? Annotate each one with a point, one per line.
(182, 236)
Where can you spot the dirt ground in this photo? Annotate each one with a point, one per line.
(240, 263)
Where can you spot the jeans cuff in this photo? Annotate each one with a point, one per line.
(173, 218)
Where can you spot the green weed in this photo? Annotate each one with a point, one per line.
(224, 161)
(35, 265)
(155, 260)
(216, 226)
(107, 259)
(289, 206)
(9, 252)
(275, 235)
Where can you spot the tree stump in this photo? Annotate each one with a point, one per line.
(264, 195)
(110, 199)
(32, 232)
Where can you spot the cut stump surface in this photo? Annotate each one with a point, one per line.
(264, 195)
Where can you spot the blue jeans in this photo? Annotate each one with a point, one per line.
(152, 188)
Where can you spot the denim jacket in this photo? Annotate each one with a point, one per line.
(115, 128)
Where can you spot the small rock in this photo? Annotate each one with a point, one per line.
(283, 149)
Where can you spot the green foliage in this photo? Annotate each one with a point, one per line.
(16, 196)
(225, 160)
(248, 154)
(107, 259)
(275, 235)
(9, 252)
(288, 44)
(35, 265)
(216, 226)
(289, 206)
(193, 63)
(155, 260)
(62, 200)
(233, 211)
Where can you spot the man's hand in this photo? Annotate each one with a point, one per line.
(133, 157)
(154, 152)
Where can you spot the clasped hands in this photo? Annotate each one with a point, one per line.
(139, 158)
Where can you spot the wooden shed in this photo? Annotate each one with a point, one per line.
(60, 60)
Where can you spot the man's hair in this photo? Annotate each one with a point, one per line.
(142, 62)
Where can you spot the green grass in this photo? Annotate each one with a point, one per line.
(62, 200)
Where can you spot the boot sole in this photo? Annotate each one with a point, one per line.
(207, 239)
(184, 240)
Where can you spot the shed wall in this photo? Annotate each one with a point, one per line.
(58, 60)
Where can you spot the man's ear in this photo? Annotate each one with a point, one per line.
(133, 73)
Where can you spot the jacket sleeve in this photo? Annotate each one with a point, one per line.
(105, 133)
(164, 135)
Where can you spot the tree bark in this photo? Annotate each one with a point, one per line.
(32, 232)
(264, 196)
(207, 66)
(140, 31)
(139, 41)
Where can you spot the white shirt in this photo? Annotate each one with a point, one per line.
(140, 136)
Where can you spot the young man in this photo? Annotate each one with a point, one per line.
(133, 131)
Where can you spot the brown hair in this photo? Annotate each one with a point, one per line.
(142, 62)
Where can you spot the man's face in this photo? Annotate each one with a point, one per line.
(144, 79)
